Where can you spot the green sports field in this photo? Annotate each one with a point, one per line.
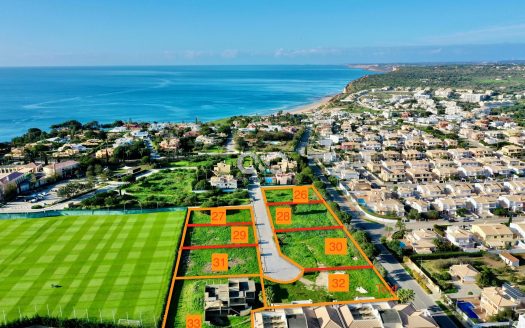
(115, 266)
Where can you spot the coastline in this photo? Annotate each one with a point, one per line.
(303, 109)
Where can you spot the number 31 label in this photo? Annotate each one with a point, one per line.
(219, 262)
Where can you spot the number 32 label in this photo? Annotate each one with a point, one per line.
(338, 282)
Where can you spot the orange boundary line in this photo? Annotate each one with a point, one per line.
(175, 278)
(329, 208)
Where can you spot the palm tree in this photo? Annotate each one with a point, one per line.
(406, 295)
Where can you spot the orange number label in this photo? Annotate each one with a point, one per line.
(218, 216)
(335, 246)
(239, 235)
(219, 262)
(193, 321)
(338, 282)
(300, 194)
(283, 215)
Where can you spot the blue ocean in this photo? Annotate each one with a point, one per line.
(40, 97)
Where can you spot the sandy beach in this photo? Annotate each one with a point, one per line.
(312, 106)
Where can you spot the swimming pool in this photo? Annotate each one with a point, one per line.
(468, 309)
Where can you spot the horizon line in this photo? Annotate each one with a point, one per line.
(401, 63)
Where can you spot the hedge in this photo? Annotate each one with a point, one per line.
(445, 255)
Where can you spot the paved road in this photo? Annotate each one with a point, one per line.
(395, 270)
(274, 266)
(25, 207)
(301, 145)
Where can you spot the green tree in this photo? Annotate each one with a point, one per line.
(487, 278)
(406, 295)
(414, 215)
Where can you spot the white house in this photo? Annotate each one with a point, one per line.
(513, 202)
(460, 237)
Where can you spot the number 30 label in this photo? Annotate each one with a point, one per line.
(335, 246)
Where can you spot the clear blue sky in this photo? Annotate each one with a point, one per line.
(105, 32)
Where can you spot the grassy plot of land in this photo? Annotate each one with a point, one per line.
(308, 249)
(198, 262)
(363, 283)
(189, 296)
(203, 217)
(168, 186)
(285, 195)
(305, 216)
(96, 266)
(213, 236)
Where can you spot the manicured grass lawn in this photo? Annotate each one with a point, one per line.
(189, 296)
(168, 186)
(115, 264)
(285, 195)
(316, 289)
(247, 161)
(198, 262)
(308, 249)
(231, 216)
(314, 215)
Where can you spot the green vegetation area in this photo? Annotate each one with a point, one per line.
(198, 262)
(247, 161)
(166, 188)
(493, 272)
(219, 235)
(314, 215)
(494, 77)
(79, 265)
(285, 195)
(363, 283)
(516, 111)
(203, 161)
(213, 236)
(307, 248)
(189, 300)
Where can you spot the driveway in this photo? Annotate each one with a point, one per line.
(275, 267)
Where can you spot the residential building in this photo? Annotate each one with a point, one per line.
(224, 182)
(233, 298)
(62, 170)
(422, 241)
(462, 238)
(482, 205)
(494, 235)
(515, 203)
(222, 169)
(496, 299)
(465, 273)
(509, 259)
